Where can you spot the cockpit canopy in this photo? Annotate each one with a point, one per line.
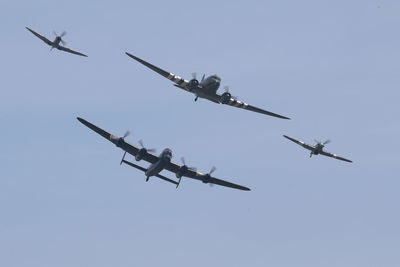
(215, 76)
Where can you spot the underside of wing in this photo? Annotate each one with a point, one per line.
(173, 167)
(98, 130)
(239, 104)
(299, 143)
(334, 156)
(179, 81)
(44, 39)
(71, 51)
(217, 181)
(118, 141)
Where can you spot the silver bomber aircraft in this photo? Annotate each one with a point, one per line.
(56, 42)
(317, 149)
(160, 162)
(206, 88)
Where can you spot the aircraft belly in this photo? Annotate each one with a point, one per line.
(207, 94)
(155, 168)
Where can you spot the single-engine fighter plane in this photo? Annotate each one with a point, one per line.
(317, 149)
(160, 162)
(56, 42)
(206, 88)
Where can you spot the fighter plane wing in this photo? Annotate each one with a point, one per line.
(120, 142)
(239, 104)
(334, 156)
(299, 143)
(63, 48)
(44, 39)
(179, 81)
(173, 167)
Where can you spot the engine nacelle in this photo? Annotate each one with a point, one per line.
(139, 156)
(182, 170)
(206, 178)
(193, 84)
(225, 97)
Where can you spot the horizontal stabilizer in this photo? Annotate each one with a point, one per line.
(144, 170)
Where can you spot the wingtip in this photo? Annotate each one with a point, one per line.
(80, 119)
(130, 55)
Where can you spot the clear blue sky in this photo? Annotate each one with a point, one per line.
(332, 66)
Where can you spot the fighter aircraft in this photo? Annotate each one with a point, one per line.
(206, 88)
(160, 162)
(317, 149)
(56, 42)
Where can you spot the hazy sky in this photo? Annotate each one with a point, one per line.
(332, 66)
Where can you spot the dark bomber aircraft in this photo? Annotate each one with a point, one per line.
(159, 163)
(206, 88)
(56, 42)
(317, 149)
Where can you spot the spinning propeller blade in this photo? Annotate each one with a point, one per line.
(127, 133)
(213, 169)
(184, 163)
(152, 150)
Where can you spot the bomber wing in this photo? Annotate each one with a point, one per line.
(300, 143)
(119, 142)
(149, 157)
(334, 156)
(44, 39)
(173, 167)
(179, 81)
(239, 104)
(63, 48)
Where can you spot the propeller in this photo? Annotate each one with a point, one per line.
(207, 176)
(213, 169)
(194, 76)
(118, 141)
(323, 143)
(153, 150)
(226, 88)
(189, 168)
(326, 142)
(61, 36)
(127, 133)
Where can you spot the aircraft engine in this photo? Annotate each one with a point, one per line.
(140, 154)
(225, 97)
(182, 170)
(193, 84)
(206, 178)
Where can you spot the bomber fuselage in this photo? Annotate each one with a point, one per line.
(157, 167)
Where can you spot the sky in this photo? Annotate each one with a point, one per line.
(332, 66)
